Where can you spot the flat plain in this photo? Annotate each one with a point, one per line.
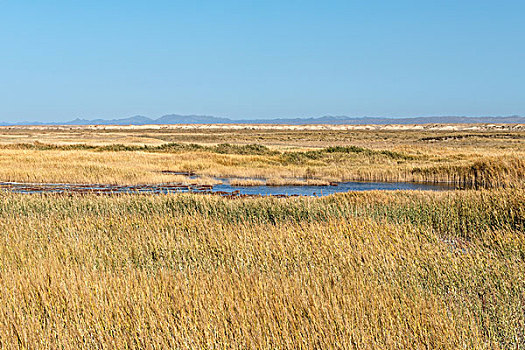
(378, 269)
(480, 155)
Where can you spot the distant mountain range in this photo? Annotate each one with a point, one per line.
(202, 119)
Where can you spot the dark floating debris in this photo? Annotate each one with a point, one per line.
(101, 188)
(185, 173)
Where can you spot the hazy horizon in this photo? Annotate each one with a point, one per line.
(330, 119)
(271, 59)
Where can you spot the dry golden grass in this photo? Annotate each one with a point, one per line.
(95, 167)
(283, 136)
(488, 158)
(275, 181)
(247, 182)
(486, 169)
(363, 270)
(372, 270)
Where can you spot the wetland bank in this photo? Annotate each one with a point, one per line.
(477, 156)
(370, 269)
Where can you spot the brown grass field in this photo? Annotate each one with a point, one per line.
(369, 270)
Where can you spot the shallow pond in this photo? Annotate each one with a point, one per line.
(223, 189)
(327, 190)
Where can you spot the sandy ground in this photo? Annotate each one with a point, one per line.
(428, 127)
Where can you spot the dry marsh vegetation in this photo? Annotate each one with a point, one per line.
(499, 164)
(356, 270)
(360, 270)
(375, 136)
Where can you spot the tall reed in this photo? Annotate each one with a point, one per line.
(361, 270)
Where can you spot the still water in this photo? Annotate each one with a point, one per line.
(223, 189)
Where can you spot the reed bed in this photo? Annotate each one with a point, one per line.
(275, 181)
(246, 182)
(151, 165)
(357, 270)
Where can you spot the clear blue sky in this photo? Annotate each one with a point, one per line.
(245, 59)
